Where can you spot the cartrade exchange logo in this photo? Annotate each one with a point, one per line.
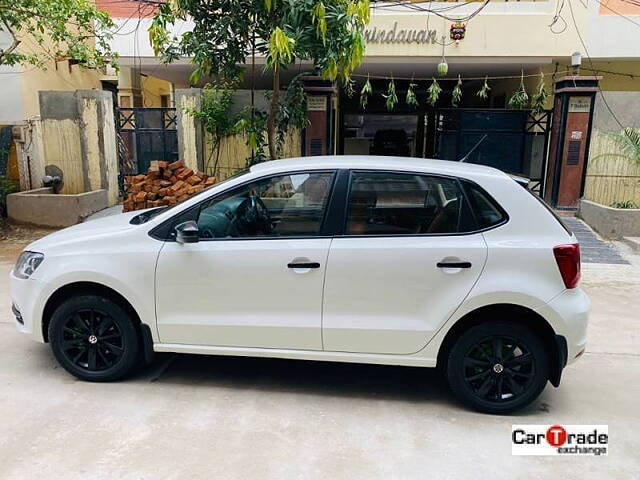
(560, 440)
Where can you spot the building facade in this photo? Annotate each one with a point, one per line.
(501, 44)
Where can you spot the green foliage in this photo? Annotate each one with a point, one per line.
(390, 96)
(628, 141)
(540, 97)
(433, 92)
(483, 93)
(456, 94)
(215, 117)
(411, 98)
(6, 187)
(252, 124)
(365, 93)
(443, 68)
(626, 204)
(292, 114)
(327, 33)
(58, 29)
(520, 98)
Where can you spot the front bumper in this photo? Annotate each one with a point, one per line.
(26, 299)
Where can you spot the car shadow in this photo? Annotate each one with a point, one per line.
(300, 376)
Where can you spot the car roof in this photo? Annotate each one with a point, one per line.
(421, 165)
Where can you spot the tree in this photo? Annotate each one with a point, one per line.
(329, 33)
(628, 141)
(62, 29)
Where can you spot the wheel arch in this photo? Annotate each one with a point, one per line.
(554, 344)
(80, 288)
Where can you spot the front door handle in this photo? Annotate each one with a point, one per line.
(453, 264)
(304, 265)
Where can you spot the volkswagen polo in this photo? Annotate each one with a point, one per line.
(395, 261)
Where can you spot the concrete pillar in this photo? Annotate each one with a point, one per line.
(190, 132)
(570, 138)
(79, 138)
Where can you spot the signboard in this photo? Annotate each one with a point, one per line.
(579, 104)
(316, 103)
(400, 35)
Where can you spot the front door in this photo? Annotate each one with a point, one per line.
(255, 277)
(403, 266)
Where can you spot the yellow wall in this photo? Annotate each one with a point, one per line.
(53, 76)
(152, 89)
(234, 153)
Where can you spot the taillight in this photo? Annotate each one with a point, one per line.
(568, 260)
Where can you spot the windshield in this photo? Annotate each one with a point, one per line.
(149, 214)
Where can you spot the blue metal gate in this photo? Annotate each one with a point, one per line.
(144, 135)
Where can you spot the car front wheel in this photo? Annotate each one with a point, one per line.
(497, 367)
(93, 338)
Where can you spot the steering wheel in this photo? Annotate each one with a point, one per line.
(253, 216)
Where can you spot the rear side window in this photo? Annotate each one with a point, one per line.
(389, 203)
(487, 212)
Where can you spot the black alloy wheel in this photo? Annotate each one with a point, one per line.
(497, 367)
(93, 338)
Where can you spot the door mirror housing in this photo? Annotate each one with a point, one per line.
(187, 232)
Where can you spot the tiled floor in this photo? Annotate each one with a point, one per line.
(592, 249)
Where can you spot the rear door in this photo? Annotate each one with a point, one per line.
(407, 259)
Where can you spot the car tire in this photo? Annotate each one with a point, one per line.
(497, 367)
(94, 338)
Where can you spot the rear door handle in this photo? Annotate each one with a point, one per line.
(453, 264)
(304, 265)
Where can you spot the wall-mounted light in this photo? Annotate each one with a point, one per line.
(576, 62)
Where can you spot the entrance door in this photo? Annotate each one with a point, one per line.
(255, 277)
(403, 266)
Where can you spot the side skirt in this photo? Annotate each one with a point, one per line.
(406, 360)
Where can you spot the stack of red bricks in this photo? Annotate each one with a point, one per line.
(164, 184)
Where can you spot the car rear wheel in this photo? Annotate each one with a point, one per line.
(93, 338)
(497, 367)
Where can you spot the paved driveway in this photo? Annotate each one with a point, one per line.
(216, 417)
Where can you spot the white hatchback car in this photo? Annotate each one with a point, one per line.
(379, 260)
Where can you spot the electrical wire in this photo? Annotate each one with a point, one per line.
(483, 77)
(586, 51)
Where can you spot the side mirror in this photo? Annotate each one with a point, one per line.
(187, 232)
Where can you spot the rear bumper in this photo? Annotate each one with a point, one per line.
(568, 314)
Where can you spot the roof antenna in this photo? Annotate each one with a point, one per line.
(464, 159)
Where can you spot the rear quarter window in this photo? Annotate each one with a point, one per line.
(487, 211)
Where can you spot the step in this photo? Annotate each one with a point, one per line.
(633, 242)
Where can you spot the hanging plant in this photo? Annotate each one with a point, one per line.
(433, 92)
(519, 99)
(391, 97)
(540, 97)
(348, 87)
(456, 94)
(443, 66)
(364, 94)
(483, 93)
(411, 98)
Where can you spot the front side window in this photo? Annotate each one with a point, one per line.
(280, 206)
(386, 203)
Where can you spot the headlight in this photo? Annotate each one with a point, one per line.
(27, 264)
